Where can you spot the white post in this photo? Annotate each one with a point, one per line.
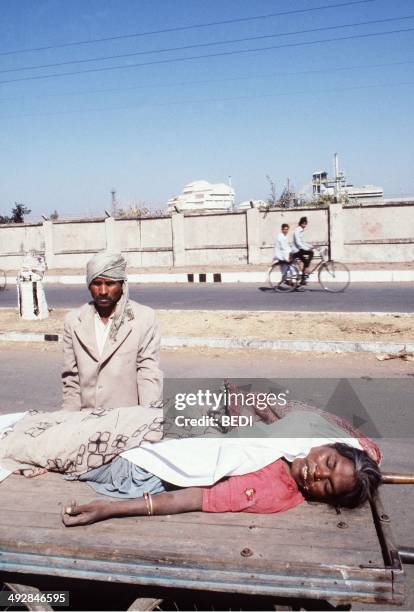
(178, 239)
(253, 236)
(30, 294)
(110, 233)
(48, 240)
(336, 231)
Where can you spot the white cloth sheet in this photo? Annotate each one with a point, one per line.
(6, 423)
(204, 461)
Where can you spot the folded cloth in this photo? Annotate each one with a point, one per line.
(121, 478)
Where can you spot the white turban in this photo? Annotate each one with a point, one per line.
(113, 267)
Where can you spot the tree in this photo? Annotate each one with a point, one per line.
(272, 199)
(18, 212)
(287, 198)
(54, 216)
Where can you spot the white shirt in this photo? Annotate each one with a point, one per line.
(102, 331)
(282, 248)
(298, 240)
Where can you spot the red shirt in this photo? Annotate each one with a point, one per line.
(271, 489)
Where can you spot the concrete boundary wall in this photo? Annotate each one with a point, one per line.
(375, 233)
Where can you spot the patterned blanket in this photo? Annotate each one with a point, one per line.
(75, 442)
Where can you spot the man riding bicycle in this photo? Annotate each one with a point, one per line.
(301, 249)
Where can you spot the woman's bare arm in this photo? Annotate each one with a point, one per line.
(172, 502)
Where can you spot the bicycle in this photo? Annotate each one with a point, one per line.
(333, 276)
(286, 282)
(3, 280)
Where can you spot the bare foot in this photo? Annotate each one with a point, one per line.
(73, 515)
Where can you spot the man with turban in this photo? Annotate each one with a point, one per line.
(111, 345)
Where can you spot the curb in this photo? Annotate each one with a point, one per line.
(321, 346)
(357, 276)
(29, 337)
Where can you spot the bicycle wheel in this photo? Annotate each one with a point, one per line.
(334, 276)
(289, 281)
(274, 276)
(3, 280)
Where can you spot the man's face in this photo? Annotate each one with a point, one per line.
(285, 230)
(304, 224)
(105, 293)
(324, 474)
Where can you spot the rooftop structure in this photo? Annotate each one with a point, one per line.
(339, 188)
(202, 195)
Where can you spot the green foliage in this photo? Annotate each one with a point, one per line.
(18, 212)
(322, 200)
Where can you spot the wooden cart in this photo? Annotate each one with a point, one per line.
(310, 552)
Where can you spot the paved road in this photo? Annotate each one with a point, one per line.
(367, 297)
(30, 374)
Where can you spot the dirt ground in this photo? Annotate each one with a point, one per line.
(257, 325)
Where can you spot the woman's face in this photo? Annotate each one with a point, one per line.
(324, 474)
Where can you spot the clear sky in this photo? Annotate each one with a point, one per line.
(273, 102)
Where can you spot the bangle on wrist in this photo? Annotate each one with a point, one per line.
(148, 503)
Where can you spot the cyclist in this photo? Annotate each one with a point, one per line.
(301, 249)
(282, 249)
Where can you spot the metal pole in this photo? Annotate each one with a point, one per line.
(406, 554)
(390, 478)
(337, 183)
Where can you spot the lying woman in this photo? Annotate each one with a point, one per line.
(336, 474)
(273, 467)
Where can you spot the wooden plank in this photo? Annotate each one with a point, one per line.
(303, 517)
(145, 529)
(37, 492)
(306, 531)
(300, 553)
(163, 544)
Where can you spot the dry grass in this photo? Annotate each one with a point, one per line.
(258, 325)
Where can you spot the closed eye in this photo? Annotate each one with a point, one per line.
(331, 463)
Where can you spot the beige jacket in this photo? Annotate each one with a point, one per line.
(127, 373)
